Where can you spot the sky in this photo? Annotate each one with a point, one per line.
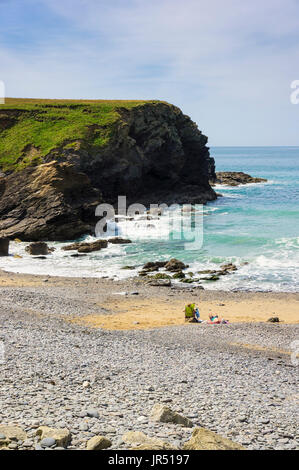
(228, 64)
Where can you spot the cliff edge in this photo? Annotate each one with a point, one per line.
(59, 159)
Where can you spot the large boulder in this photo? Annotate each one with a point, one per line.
(203, 439)
(4, 246)
(38, 249)
(62, 436)
(12, 433)
(174, 266)
(163, 414)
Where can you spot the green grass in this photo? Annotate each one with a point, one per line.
(46, 125)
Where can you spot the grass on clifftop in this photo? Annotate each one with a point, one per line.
(31, 128)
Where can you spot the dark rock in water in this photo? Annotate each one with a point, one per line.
(40, 257)
(189, 281)
(175, 265)
(154, 266)
(179, 275)
(207, 271)
(37, 249)
(154, 154)
(235, 178)
(84, 247)
(212, 278)
(143, 273)
(274, 320)
(49, 202)
(78, 255)
(229, 267)
(119, 241)
(128, 267)
(161, 276)
(4, 246)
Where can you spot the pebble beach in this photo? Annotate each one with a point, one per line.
(239, 380)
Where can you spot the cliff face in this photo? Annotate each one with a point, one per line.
(49, 202)
(152, 153)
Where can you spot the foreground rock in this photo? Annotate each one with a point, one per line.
(203, 439)
(98, 443)
(61, 437)
(4, 246)
(38, 249)
(163, 414)
(9, 434)
(234, 178)
(140, 441)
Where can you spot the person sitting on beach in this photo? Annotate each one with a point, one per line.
(192, 314)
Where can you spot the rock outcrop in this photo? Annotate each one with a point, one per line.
(234, 178)
(53, 201)
(152, 153)
(38, 249)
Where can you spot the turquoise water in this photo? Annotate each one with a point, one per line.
(257, 224)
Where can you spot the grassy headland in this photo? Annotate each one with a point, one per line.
(31, 128)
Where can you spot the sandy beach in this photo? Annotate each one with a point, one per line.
(154, 307)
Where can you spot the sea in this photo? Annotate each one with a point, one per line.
(254, 226)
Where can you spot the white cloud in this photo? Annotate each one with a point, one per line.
(227, 64)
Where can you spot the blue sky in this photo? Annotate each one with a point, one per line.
(228, 64)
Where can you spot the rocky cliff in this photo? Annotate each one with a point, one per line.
(74, 155)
